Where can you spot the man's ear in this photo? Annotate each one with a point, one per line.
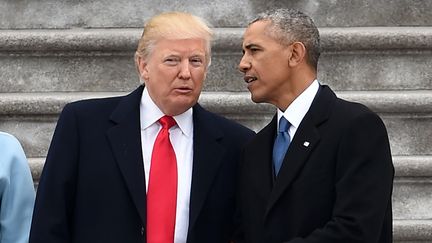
(298, 53)
(142, 68)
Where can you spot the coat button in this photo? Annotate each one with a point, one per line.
(142, 230)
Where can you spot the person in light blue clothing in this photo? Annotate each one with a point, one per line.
(17, 193)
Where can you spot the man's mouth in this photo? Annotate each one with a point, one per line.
(250, 79)
(183, 90)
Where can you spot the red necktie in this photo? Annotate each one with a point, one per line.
(162, 188)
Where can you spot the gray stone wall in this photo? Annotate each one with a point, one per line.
(53, 14)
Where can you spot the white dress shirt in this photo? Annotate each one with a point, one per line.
(298, 108)
(181, 137)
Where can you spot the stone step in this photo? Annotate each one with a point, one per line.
(220, 13)
(412, 187)
(408, 115)
(101, 60)
(412, 231)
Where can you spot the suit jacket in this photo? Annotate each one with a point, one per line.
(92, 188)
(335, 183)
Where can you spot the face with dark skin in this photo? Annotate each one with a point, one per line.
(275, 73)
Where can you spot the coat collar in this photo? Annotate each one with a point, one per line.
(306, 139)
(125, 140)
(208, 154)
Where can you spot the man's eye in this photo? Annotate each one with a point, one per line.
(196, 61)
(171, 61)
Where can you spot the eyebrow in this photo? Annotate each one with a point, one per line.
(249, 46)
(176, 55)
(198, 55)
(171, 56)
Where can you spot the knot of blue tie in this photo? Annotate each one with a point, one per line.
(283, 125)
(281, 144)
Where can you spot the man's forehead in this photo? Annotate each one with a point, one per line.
(181, 45)
(257, 28)
(256, 34)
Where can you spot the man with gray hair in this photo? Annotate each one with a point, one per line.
(321, 171)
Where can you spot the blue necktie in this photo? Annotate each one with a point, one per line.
(281, 144)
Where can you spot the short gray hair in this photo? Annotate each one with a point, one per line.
(290, 25)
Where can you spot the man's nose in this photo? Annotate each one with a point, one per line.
(244, 64)
(184, 70)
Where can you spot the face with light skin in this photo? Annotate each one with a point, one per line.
(174, 73)
(269, 66)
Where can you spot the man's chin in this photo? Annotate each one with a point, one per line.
(256, 98)
(179, 106)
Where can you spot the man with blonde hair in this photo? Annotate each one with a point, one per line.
(152, 166)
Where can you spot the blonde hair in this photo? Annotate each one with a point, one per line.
(173, 25)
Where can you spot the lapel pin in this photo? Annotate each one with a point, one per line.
(306, 144)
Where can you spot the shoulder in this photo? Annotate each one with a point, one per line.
(9, 143)
(93, 105)
(221, 122)
(221, 125)
(229, 124)
(351, 117)
(10, 150)
(353, 110)
(86, 112)
(327, 102)
(102, 107)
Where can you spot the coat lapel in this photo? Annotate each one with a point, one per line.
(259, 157)
(207, 158)
(305, 140)
(125, 140)
(294, 160)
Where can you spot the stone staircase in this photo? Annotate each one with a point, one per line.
(375, 52)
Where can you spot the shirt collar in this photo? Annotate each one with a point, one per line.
(150, 114)
(299, 107)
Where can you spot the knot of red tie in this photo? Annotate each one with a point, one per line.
(167, 122)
